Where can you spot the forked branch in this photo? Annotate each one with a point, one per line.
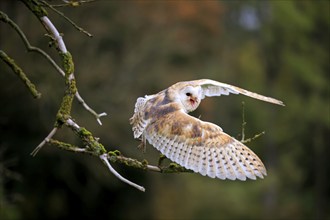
(56, 36)
(243, 140)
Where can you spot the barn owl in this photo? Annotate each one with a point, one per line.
(163, 120)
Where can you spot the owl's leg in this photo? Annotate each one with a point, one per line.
(162, 157)
(143, 144)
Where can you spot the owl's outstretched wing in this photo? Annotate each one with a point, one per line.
(137, 120)
(203, 147)
(214, 88)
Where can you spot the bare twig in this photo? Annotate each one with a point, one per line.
(243, 140)
(104, 159)
(49, 136)
(29, 47)
(253, 138)
(55, 34)
(82, 101)
(243, 121)
(73, 3)
(68, 19)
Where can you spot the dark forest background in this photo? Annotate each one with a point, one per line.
(276, 48)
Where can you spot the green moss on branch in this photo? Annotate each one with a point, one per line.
(35, 7)
(115, 158)
(90, 141)
(62, 145)
(64, 111)
(175, 168)
(67, 62)
(20, 73)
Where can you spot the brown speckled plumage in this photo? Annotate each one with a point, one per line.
(203, 147)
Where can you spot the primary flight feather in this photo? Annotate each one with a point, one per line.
(163, 120)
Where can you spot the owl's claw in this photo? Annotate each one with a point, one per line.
(143, 145)
(162, 157)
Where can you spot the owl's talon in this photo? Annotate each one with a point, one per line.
(162, 157)
(143, 145)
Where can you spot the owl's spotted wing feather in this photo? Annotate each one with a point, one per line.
(203, 147)
(214, 88)
(138, 121)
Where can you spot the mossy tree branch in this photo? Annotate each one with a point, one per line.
(91, 144)
(20, 73)
(64, 117)
(49, 27)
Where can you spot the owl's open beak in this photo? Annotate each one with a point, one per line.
(193, 100)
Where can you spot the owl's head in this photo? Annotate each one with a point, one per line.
(190, 97)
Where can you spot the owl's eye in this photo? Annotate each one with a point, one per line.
(188, 94)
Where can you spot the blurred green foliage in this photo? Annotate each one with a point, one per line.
(276, 48)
